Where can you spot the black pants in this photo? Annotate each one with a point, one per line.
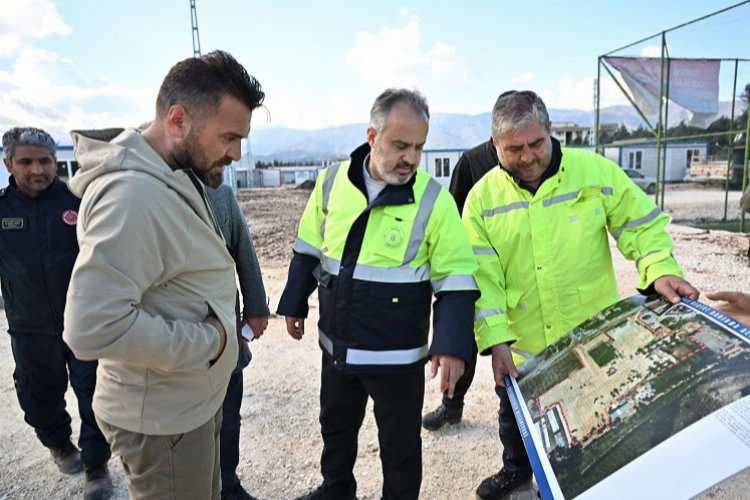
(43, 364)
(397, 405)
(464, 382)
(515, 458)
(230, 433)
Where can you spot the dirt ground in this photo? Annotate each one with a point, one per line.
(280, 443)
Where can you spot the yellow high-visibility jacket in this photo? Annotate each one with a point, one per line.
(544, 259)
(377, 266)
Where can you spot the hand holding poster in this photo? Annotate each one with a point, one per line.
(644, 399)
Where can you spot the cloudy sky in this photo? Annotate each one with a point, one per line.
(97, 63)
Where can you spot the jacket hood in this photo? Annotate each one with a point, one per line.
(101, 152)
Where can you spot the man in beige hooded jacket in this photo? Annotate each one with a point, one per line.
(152, 294)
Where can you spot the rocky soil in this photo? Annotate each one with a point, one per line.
(280, 439)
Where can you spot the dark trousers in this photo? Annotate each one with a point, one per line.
(230, 433)
(464, 382)
(515, 458)
(397, 405)
(43, 365)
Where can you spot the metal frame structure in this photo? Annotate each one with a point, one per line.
(660, 128)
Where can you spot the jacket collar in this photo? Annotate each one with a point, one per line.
(52, 190)
(390, 195)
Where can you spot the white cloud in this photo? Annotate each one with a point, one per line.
(651, 51)
(398, 57)
(45, 90)
(28, 19)
(523, 77)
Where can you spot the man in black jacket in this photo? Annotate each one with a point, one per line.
(471, 167)
(37, 250)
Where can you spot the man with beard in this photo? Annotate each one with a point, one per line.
(378, 238)
(152, 295)
(539, 227)
(38, 248)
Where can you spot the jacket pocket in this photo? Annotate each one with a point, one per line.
(389, 237)
(397, 314)
(221, 369)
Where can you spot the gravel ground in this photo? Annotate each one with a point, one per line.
(280, 440)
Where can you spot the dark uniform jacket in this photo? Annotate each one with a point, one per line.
(38, 248)
(471, 167)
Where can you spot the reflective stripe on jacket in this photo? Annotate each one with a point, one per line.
(544, 260)
(378, 266)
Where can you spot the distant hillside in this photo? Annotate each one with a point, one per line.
(447, 131)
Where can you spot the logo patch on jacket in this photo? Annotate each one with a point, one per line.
(13, 223)
(393, 236)
(70, 217)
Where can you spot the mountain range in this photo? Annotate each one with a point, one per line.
(447, 131)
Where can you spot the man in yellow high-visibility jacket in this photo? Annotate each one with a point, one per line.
(379, 238)
(538, 225)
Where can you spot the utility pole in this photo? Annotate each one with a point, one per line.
(196, 37)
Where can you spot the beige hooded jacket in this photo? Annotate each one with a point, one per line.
(152, 266)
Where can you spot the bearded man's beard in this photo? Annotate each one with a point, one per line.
(187, 157)
(213, 180)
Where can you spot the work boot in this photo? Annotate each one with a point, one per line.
(98, 485)
(502, 484)
(237, 493)
(441, 416)
(322, 493)
(67, 458)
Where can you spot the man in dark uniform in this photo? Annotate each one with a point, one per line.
(471, 167)
(38, 248)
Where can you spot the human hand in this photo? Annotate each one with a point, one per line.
(672, 288)
(295, 327)
(736, 304)
(451, 370)
(502, 363)
(214, 321)
(257, 325)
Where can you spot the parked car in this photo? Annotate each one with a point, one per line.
(644, 182)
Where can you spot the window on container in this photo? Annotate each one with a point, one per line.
(438, 167)
(638, 158)
(62, 169)
(446, 167)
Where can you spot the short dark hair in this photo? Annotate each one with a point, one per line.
(199, 83)
(383, 104)
(516, 109)
(27, 136)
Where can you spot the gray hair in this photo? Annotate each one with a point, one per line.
(515, 110)
(384, 103)
(27, 136)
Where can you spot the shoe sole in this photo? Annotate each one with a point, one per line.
(447, 422)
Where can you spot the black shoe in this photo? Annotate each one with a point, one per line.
(441, 416)
(67, 458)
(501, 484)
(237, 493)
(322, 493)
(98, 485)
